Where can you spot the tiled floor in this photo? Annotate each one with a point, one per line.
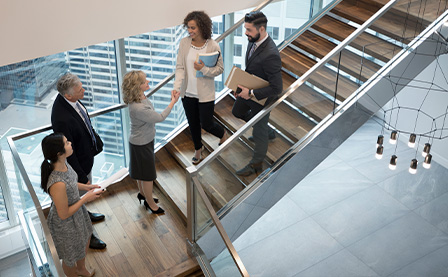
(15, 265)
(352, 216)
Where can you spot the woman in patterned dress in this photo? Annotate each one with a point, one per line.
(68, 220)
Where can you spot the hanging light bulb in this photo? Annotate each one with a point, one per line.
(379, 152)
(380, 140)
(411, 142)
(393, 137)
(426, 149)
(427, 162)
(413, 167)
(393, 162)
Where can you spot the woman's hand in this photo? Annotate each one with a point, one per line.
(92, 195)
(87, 186)
(175, 95)
(199, 66)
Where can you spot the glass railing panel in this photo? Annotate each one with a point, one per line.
(227, 259)
(37, 245)
(202, 216)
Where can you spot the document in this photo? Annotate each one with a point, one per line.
(240, 77)
(209, 60)
(115, 178)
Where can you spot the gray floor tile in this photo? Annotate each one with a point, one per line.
(378, 170)
(416, 190)
(289, 251)
(436, 212)
(250, 220)
(284, 214)
(341, 264)
(434, 264)
(359, 215)
(398, 244)
(319, 191)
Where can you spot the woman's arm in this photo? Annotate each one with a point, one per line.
(219, 67)
(180, 66)
(59, 195)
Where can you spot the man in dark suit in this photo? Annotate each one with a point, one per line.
(70, 117)
(262, 60)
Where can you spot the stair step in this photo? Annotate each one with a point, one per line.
(171, 180)
(234, 157)
(366, 43)
(290, 122)
(220, 188)
(350, 62)
(324, 78)
(308, 100)
(396, 27)
(223, 111)
(295, 62)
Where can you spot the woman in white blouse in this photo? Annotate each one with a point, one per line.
(198, 93)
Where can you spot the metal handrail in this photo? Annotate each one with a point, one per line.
(236, 258)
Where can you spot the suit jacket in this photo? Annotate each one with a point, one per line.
(265, 63)
(65, 119)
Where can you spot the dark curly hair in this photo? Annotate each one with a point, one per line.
(203, 21)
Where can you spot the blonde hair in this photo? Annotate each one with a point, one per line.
(131, 86)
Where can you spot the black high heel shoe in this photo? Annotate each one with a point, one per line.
(141, 197)
(158, 211)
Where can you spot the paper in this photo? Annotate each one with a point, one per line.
(238, 76)
(209, 60)
(115, 178)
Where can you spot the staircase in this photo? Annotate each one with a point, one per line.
(310, 103)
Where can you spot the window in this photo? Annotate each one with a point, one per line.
(237, 50)
(273, 32)
(289, 32)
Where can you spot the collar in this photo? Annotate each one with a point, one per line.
(258, 43)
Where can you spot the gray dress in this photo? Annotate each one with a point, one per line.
(70, 235)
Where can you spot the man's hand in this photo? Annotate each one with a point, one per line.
(244, 93)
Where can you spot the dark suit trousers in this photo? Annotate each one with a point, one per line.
(245, 110)
(200, 115)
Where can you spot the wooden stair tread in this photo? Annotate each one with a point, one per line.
(350, 62)
(311, 102)
(295, 62)
(287, 80)
(325, 79)
(389, 24)
(290, 122)
(171, 179)
(234, 157)
(223, 111)
(220, 188)
(374, 46)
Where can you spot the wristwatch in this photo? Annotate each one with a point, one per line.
(251, 93)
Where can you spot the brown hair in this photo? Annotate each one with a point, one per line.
(131, 86)
(203, 21)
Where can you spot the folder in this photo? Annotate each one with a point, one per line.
(238, 76)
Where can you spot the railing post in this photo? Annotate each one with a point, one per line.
(191, 204)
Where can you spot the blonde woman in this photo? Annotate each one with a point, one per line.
(141, 140)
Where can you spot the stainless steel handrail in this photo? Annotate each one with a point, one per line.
(233, 253)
